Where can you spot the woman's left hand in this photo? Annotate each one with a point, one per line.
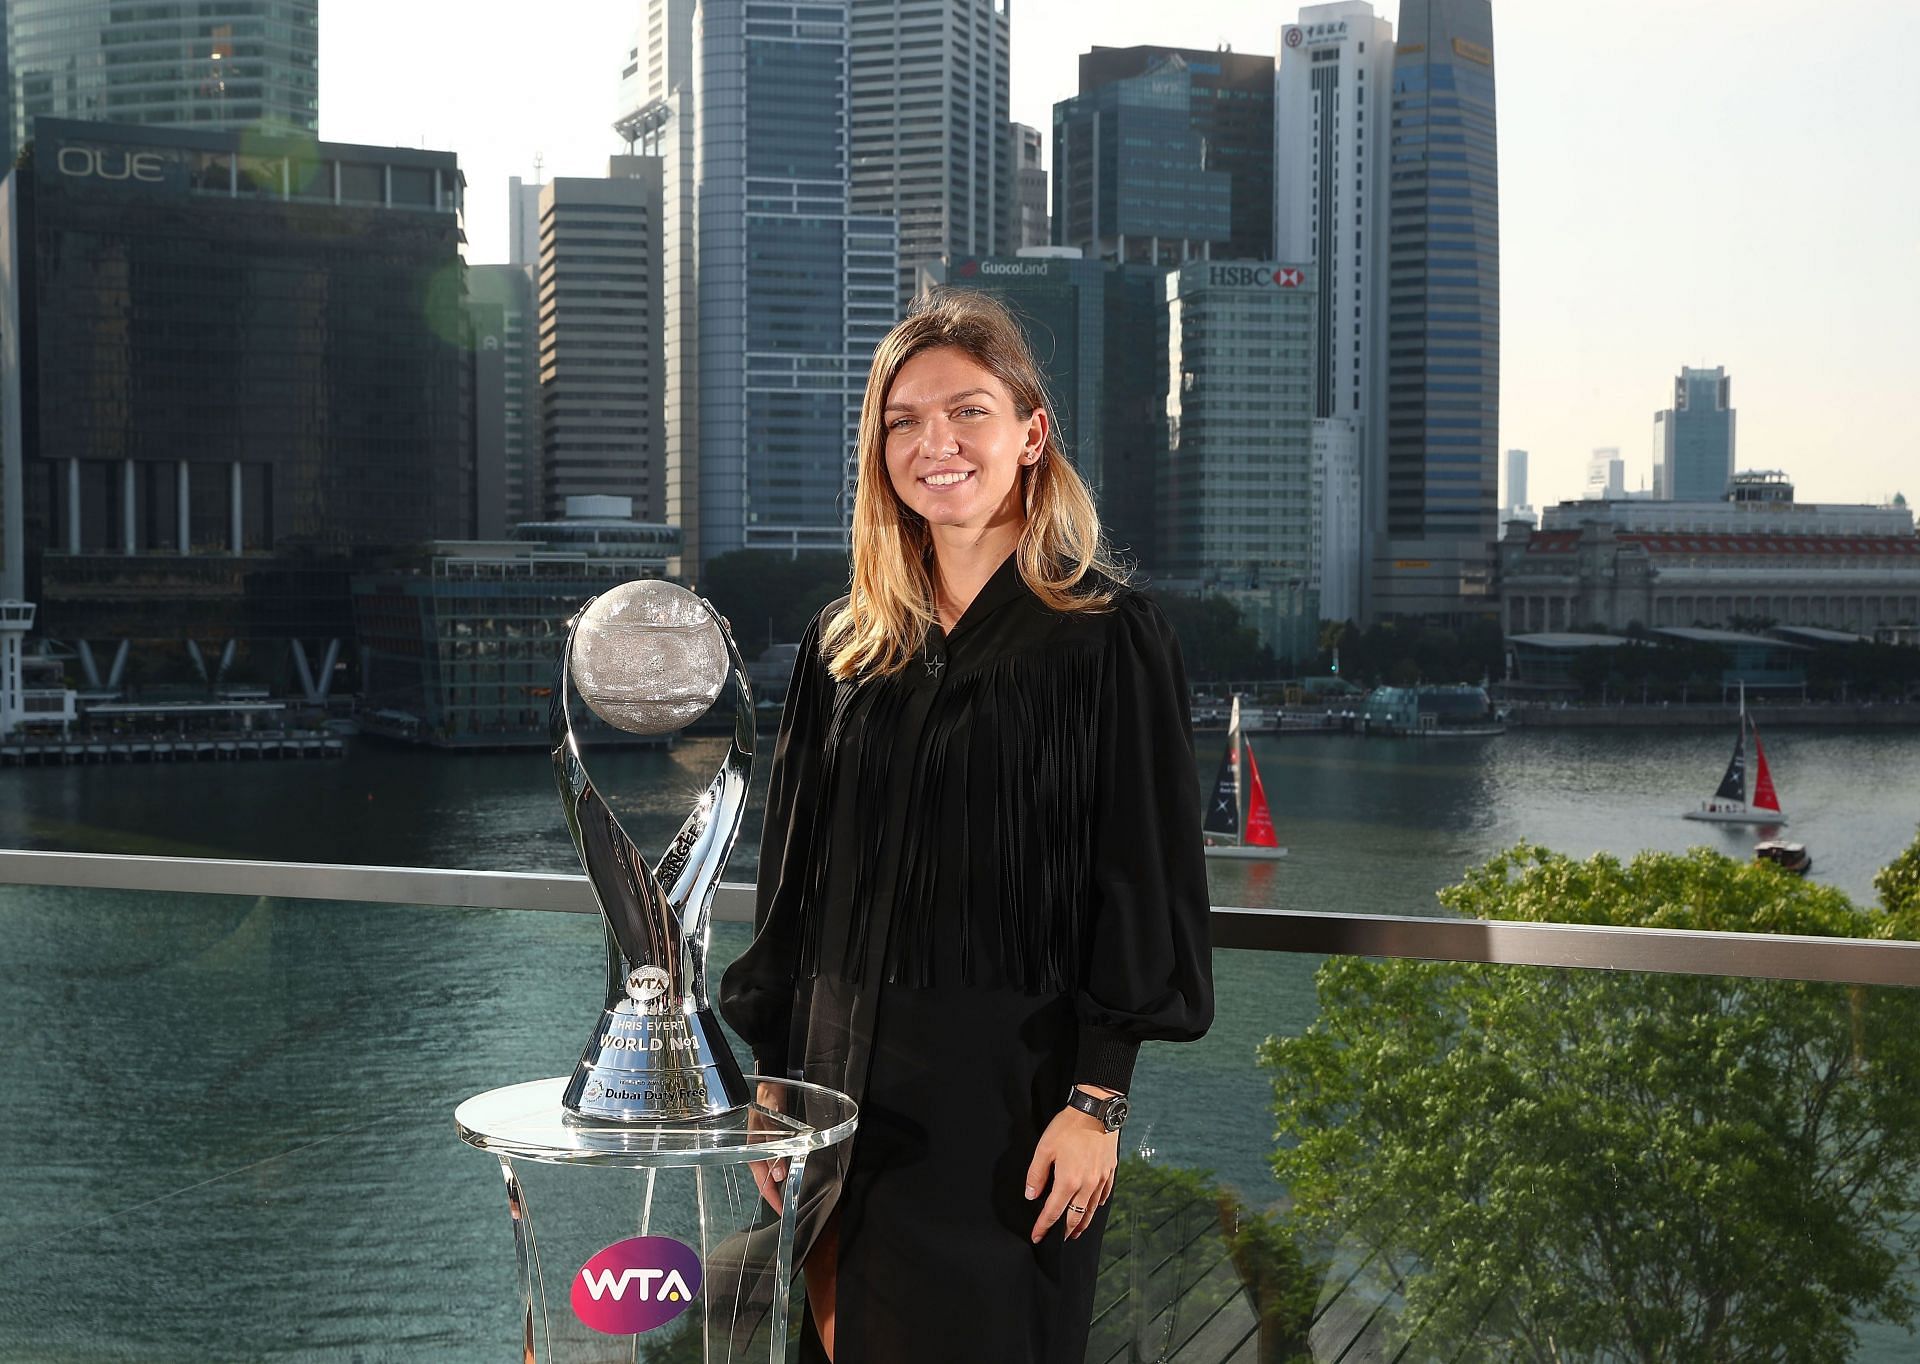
(1080, 1155)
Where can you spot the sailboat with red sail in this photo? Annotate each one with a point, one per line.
(1729, 804)
(1227, 834)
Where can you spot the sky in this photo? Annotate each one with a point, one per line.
(1710, 182)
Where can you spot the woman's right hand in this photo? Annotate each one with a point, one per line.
(769, 1175)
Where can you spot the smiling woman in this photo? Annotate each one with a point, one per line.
(980, 882)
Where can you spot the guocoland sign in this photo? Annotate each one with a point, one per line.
(1550, 1164)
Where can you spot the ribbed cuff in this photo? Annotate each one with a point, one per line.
(1105, 1059)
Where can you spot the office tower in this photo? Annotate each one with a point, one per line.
(1329, 184)
(657, 107)
(599, 338)
(1336, 520)
(215, 64)
(232, 372)
(1235, 488)
(1094, 329)
(1517, 480)
(929, 94)
(1443, 318)
(501, 300)
(523, 224)
(1693, 439)
(1166, 156)
(1031, 222)
(1606, 474)
(794, 288)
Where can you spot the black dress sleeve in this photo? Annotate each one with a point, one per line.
(1149, 966)
(757, 990)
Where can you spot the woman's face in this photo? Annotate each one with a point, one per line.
(956, 443)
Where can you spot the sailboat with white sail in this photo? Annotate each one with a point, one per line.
(1227, 834)
(1729, 804)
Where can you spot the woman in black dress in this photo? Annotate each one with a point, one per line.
(981, 880)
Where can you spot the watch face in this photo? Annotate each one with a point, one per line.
(1116, 1113)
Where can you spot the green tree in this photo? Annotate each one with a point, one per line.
(1899, 883)
(1557, 1165)
(1216, 644)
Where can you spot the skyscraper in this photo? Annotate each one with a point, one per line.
(1517, 480)
(225, 382)
(929, 94)
(225, 64)
(795, 289)
(1166, 156)
(507, 291)
(656, 116)
(599, 338)
(1329, 183)
(1235, 489)
(1606, 474)
(1443, 317)
(1693, 439)
(523, 224)
(1031, 220)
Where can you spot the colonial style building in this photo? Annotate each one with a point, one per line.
(1657, 564)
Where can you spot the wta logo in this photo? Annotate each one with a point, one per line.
(636, 1285)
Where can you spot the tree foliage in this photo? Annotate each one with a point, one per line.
(1215, 643)
(1558, 1165)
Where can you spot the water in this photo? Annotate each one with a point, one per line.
(243, 1108)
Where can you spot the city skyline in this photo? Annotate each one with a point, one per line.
(1806, 301)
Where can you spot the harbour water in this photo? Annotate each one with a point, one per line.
(230, 1131)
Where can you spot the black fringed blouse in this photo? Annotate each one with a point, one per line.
(1015, 813)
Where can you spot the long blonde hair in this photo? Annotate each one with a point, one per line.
(890, 609)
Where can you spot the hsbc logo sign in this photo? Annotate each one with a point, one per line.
(1256, 276)
(94, 163)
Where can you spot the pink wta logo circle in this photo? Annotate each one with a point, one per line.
(636, 1285)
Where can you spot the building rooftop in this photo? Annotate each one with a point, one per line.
(1563, 639)
(1696, 635)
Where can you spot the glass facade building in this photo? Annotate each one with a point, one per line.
(1234, 490)
(1443, 316)
(1693, 439)
(1127, 133)
(794, 289)
(1132, 172)
(231, 367)
(225, 64)
(1096, 329)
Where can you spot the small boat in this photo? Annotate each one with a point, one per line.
(1729, 803)
(1223, 822)
(1784, 855)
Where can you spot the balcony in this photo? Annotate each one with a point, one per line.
(231, 1089)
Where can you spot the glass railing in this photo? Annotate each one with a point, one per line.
(230, 1133)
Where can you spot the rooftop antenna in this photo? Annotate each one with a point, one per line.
(539, 166)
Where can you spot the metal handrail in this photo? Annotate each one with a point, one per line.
(1859, 961)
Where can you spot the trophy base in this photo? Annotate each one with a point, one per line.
(652, 1068)
(602, 1214)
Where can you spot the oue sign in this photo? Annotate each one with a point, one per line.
(92, 163)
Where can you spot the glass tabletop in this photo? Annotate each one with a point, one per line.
(787, 1118)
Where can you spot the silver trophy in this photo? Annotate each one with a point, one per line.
(649, 658)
